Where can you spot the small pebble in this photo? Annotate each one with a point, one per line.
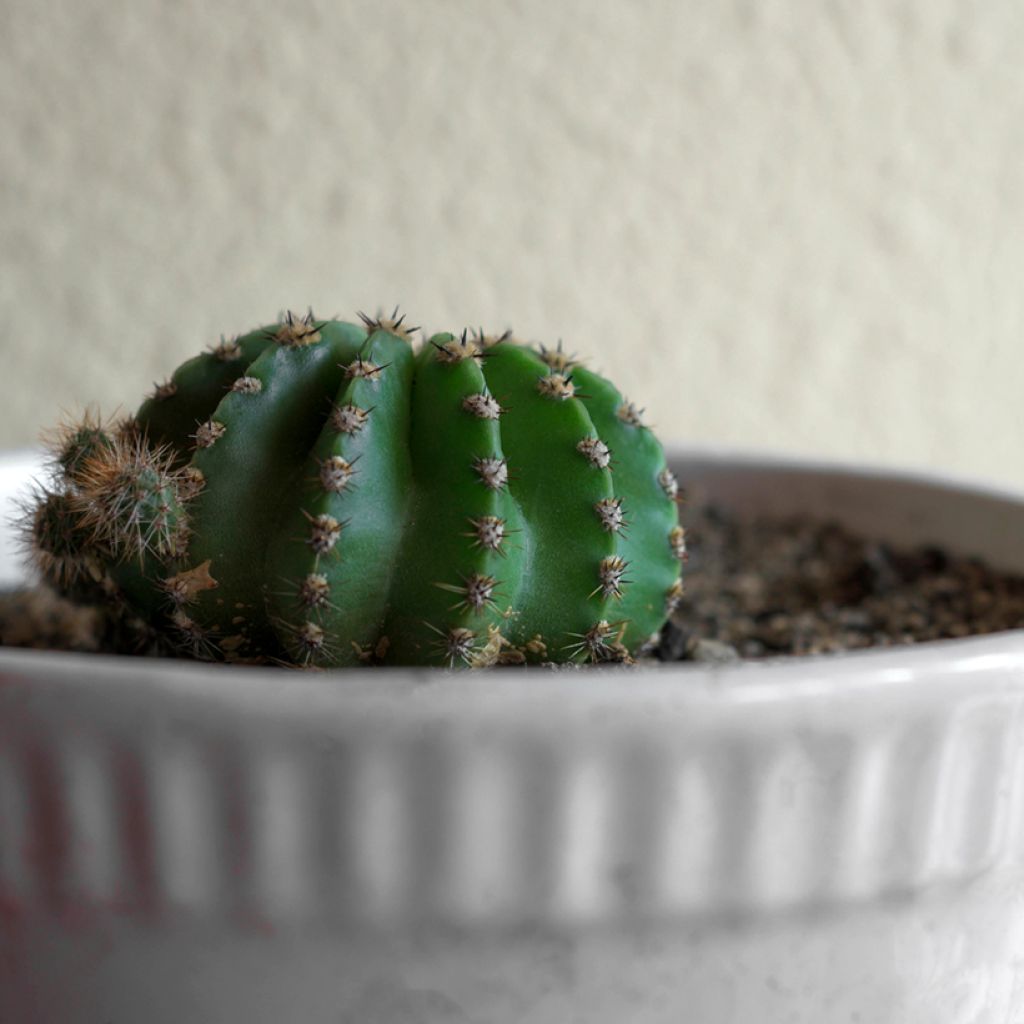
(699, 649)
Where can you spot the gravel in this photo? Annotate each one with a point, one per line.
(769, 587)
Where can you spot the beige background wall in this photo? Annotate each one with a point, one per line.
(776, 223)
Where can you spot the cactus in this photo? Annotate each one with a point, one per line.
(324, 494)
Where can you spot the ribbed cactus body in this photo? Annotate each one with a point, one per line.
(348, 498)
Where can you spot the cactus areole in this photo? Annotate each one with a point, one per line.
(325, 494)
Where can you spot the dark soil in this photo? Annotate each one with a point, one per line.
(39, 618)
(771, 587)
(757, 589)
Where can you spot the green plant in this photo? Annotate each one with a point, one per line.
(323, 493)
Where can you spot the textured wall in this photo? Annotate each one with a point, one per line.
(785, 224)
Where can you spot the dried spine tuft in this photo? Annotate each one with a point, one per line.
(247, 385)
(298, 331)
(558, 386)
(489, 532)
(227, 351)
(363, 369)
(677, 542)
(335, 474)
(192, 637)
(311, 639)
(595, 451)
(457, 349)
(483, 406)
(324, 531)
(484, 341)
(493, 472)
(602, 642)
(628, 413)
(190, 482)
(457, 644)
(314, 591)
(556, 358)
(609, 511)
(669, 484)
(477, 590)
(597, 639)
(209, 433)
(348, 419)
(393, 324)
(611, 573)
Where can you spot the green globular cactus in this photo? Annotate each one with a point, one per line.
(325, 494)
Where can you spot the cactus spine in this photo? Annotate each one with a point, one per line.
(324, 493)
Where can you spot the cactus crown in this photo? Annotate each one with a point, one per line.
(324, 493)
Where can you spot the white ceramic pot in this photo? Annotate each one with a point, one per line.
(832, 839)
